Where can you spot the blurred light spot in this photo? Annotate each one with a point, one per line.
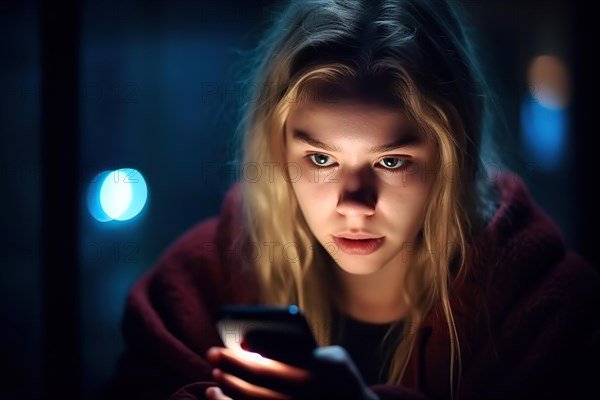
(549, 82)
(544, 115)
(544, 131)
(139, 193)
(93, 197)
(293, 309)
(117, 195)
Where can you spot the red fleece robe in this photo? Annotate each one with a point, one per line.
(527, 314)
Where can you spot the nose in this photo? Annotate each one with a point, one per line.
(358, 196)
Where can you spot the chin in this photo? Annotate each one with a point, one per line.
(357, 268)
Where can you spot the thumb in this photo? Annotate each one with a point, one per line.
(334, 356)
(336, 374)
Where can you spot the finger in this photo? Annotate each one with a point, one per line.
(256, 363)
(215, 393)
(261, 371)
(240, 389)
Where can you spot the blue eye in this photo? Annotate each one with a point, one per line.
(321, 160)
(392, 162)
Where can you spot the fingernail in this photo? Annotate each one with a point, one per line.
(211, 352)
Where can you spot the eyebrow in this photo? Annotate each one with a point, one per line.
(307, 138)
(406, 140)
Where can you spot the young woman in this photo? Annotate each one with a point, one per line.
(366, 201)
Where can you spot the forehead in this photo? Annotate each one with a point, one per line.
(349, 117)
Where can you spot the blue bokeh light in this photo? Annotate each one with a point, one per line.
(139, 192)
(117, 195)
(93, 197)
(293, 309)
(544, 133)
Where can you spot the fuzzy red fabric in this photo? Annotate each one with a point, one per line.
(527, 314)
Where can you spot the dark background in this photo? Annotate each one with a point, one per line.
(101, 85)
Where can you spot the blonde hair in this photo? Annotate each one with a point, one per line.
(418, 55)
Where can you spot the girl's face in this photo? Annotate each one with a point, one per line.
(362, 175)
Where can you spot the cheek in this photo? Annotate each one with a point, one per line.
(419, 175)
(404, 205)
(317, 200)
(311, 197)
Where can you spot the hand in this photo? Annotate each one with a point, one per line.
(250, 376)
(245, 375)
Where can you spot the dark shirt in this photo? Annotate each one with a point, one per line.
(364, 343)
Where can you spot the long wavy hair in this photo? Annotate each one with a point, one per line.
(418, 53)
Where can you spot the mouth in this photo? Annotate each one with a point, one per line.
(357, 236)
(358, 246)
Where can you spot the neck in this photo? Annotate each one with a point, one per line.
(376, 297)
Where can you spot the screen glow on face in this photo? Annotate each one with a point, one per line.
(363, 169)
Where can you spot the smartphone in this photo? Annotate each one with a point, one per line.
(279, 333)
